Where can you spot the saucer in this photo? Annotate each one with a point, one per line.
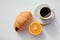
(37, 13)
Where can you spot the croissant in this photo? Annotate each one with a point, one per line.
(22, 19)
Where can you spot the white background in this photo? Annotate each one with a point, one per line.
(9, 10)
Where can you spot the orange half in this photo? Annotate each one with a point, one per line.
(35, 28)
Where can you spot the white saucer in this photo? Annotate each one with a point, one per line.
(37, 12)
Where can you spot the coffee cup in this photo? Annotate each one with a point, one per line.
(46, 12)
(43, 13)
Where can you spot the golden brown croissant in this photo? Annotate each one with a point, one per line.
(22, 19)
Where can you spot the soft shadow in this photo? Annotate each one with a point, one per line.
(25, 35)
(40, 37)
(52, 28)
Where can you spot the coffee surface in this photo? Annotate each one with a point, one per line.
(45, 12)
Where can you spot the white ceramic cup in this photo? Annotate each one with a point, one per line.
(51, 13)
(39, 18)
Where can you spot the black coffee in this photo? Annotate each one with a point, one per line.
(45, 11)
